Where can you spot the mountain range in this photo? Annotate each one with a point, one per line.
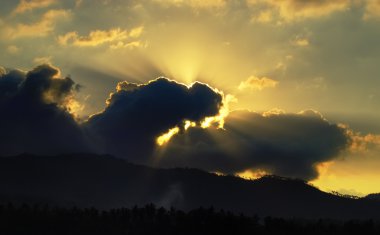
(105, 182)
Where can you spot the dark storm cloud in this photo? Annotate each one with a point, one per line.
(137, 114)
(283, 144)
(34, 118)
(33, 115)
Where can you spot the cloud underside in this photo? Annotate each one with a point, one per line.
(36, 118)
(280, 143)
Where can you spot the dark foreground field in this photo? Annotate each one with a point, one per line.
(41, 219)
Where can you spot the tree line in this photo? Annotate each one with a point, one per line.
(43, 219)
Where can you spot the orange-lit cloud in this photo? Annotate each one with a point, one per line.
(224, 111)
(256, 83)
(251, 144)
(100, 37)
(136, 32)
(299, 9)
(372, 9)
(264, 16)
(200, 4)
(128, 45)
(12, 49)
(302, 42)
(29, 5)
(363, 143)
(42, 60)
(164, 138)
(142, 116)
(94, 38)
(40, 28)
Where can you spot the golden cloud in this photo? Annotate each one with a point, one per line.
(263, 17)
(42, 60)
(302, 42)
(39, 29)
(99, 37)
(256, 83)
(372, 9)
(363, 143)
(295, 9)
(29, 5)
(12, 49)
(128, 45)
(199, 4)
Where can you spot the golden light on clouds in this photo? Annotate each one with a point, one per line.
(265, 16)
(354, 171)
(256, 83)
(223, 113)
(257, 50)
(214, 121)
(164, 138)
(94, 38)
(372, 10)
(12, 49)
(348, 177)
(302, 42)
(41, 28)
(201, 4)
(252, 174)
(29, 5)
(290, 10)
(189, 124)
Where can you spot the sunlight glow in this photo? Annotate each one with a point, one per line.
(223, 113)
(74, 107)
(215, 121)
(252, 174)
(189, 124)
(164, 138)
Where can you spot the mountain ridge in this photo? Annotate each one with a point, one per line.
(102, 181)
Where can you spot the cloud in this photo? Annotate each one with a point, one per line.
(95, 38)
(12, 49)
(40, 28)
(363, 143)
(99, 37)
(197, 4)
(128, 45)
(290, 10)
(42, 60)
(136, 32)
(265, 16)
(34, 114)
(256, 83)
(36, 118)
(136, 114)
(301, 42)
(29, 5)
(372, 9)
(283, 144)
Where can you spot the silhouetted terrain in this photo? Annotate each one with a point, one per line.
(373, 196)
(105, 182)
(26, 220)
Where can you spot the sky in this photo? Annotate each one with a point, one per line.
(251, 87)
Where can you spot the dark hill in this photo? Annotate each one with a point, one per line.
(373, 196)
(105, 182)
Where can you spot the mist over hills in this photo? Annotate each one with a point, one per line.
(105, 182)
